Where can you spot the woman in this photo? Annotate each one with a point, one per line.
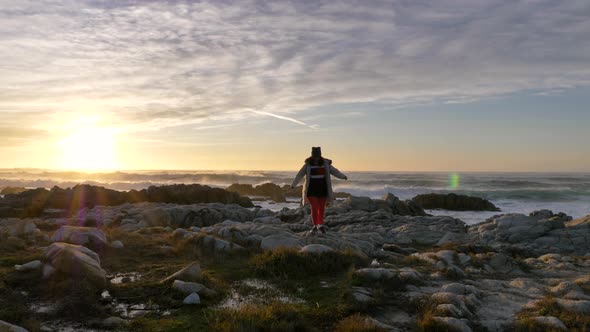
(317, 190)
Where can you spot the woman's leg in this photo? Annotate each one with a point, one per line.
(321, 209)
(315, 204)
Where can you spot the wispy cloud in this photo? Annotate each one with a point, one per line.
(160, 64)
(286, 118)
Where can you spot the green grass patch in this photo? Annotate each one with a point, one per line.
(289, 263)
(273, 317)
(192, 318)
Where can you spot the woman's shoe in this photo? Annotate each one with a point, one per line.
(322, 230)
(313, 231)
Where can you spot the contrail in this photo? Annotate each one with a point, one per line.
(285, 118)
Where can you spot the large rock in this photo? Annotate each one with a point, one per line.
(279, 241)
(191, 272)
(193, 298)
(85, 236)
(454, 202)
(75, 262)
(30, 266)
(5, 326)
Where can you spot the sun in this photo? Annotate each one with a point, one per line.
(89, 147)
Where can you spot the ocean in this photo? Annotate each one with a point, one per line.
(511, 192)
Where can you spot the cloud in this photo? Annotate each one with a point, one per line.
(160, 64)
(286, 118)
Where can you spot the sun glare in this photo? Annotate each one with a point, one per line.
(89, 147)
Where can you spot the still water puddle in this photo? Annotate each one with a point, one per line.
(124, 278)
(255, 291)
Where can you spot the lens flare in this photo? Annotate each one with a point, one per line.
(454, 180)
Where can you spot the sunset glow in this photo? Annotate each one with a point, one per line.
(88, 147)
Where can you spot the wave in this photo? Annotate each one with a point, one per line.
(492, 186)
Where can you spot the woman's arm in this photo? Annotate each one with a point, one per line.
(334, 171)
(299, 176)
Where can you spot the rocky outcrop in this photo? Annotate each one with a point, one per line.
(12, 190)
(268, 190)
(539, 233)
(453, 202)
(389, 203)
(34, 202)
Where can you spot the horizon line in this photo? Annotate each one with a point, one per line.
(278, 170)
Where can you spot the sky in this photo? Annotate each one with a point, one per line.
(446, 85)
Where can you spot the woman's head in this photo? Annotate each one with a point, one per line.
(316, 156)
(316, 152)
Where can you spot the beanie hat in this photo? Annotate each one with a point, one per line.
(316, 151)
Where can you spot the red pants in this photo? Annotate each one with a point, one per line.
(318, 206)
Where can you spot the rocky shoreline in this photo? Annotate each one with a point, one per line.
(385, 265)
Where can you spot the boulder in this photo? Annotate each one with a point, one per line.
(117, 245)
(191, 272)
(193, 298)
(454, 202)
(5, 326)
(316, 249)
(85, 236)
(279, 241)
(30, 266)
(76, 262)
